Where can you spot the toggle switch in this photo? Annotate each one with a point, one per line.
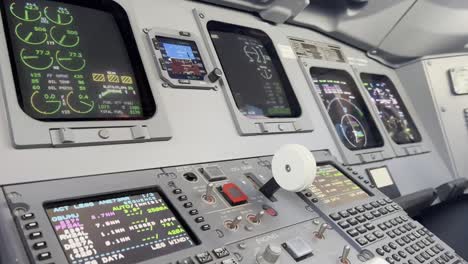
(234, 224)
(256, 219)
(345, 254)
(209, 194)
(320, 234)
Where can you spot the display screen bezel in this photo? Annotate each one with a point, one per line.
(115, 194)
(161, 40)
(342, 171)
(262, 36)
(121, 18)
(396, 93)
(373, 126)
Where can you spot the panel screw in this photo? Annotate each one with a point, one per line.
(201, 15)
(165, 85)
(146, 30)
(288, 168)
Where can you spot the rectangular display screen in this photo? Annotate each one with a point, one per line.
(118, 229)
(71, 62)
(181, 59)
(334, 188)
(254, 72)
(346, 108)
(392, 110)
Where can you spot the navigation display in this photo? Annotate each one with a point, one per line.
(71, 62)
(392, 110)
(181, 59)
(333, 188)
(118, 229)
(346, 108)
(254, 72)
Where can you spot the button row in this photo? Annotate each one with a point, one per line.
(193, 212)
(207, 257)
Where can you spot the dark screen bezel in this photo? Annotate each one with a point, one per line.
(263, 37)
(380, 142)
(384, 78)
(338, 168)
(93, 198)
(161, 40)
(121, 18)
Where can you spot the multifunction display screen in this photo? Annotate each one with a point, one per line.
(346, 107)
(254, 72)
(118, 229)
(333, 188)
(71, 63)
(392, 110)
(181, 59)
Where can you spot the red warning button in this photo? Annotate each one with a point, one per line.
(233, 194)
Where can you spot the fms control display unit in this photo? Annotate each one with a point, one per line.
(211, 132)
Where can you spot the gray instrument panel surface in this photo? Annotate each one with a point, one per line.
(243, 244)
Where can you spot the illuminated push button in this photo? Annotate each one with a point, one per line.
(204, 257)
(233, 194)
(200, 219)
(35, 235)
(193, 212)
(182, 198)
(31, 225)
(44, 256)
(40, 245)
(28, 216)
(221, 252)
(188, 205)
(177, 191)
(205, 227)
(186, 261)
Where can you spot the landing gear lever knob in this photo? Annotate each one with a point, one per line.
(294, 169)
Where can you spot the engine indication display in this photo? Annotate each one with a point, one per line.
(254, 72)
(346, 108)
(392, 111)
(68, 69)
(118, 229)
(333, 188)
(181, 58)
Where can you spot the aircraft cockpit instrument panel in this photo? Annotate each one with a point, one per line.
(392, 110)
(346, 108)
(254, 72)
(68, 69)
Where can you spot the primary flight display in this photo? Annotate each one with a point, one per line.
(68, 68)
(254, 72)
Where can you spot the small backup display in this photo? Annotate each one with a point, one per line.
(392, 110)
(71, 62)
(346, 107)
(334, 188)
(181, 59)
(118, 229)
(257, 79)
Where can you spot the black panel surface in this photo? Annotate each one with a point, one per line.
(72, 62)
(254, 71)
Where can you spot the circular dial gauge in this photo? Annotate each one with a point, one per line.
(58, 15)
(29, 12)
(33, 35)
(46, 104)
(347, 115)
(79, 103)
(71, 60)
(65, 37)
(37, 59)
